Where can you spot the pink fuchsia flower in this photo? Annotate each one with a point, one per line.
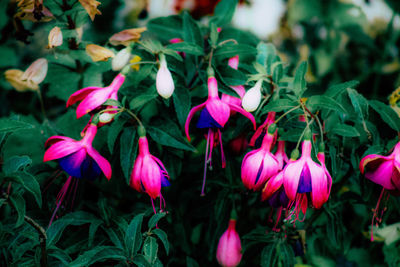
(229, 251)
(258, 136)
(214, 115)
(280, 154)
(78, 158)
(383, 170)
(303, 178)
(149, 174)
(321, 158)
(239, 89)
(259, 165)
(93, 97)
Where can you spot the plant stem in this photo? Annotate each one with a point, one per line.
(133, 115)
(41, 104)
(286, 113)
(42, 239)
(302, 134)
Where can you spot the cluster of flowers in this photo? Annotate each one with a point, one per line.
(80, 160)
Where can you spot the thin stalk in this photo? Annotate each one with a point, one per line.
(41, 104)
(320, 128)
(227, 41)
(134, 116)
(266, 98)
(286, 113)
(302, 134)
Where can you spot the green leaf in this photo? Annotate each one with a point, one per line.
(268, 256)
(191, 262)
(150, 249)
(299, 82)
(63, 81)
(127, 151)
(163, 237)
(155, 218)
(191, 31)
(286, 254)
(133, 235)
(387, 114)
(166, 28)
(224, 11)
(141, 261)
(345, 130)
(229, 50)
(187, 47)
(359, 103)
(7, 125)
(98, 254)
(31, 185)
(14, 163)
(182, 103)
(166, 139)
(113, 132)
(279, 105)
(337, 89)
(324, 102)
(141, 100)
(18, 203)
(213, 34)
(112, 102)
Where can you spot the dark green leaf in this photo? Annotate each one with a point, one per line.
(191, 262)
(150, 249)
(98, 254)
(269, 256)
(163, 237)
(337, 89)
(7, 125)
(141, 261)
(112, 102)
(230, 50)
(324, 102)
(155, 218)
(166, 28)
(187, 47)
(14, 163)
(359, 103)
(18, 203)
(114, 131)
(31, 185)
(387, 114)
(224, 11)
(133, 235)
(279, 105)
(127, 151)
(182, 103)
(345, 130)
(191, 30)
(299, 82)
(166, 139)
(141, 100)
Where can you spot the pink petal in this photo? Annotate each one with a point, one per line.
(219, 110)
(382, 175)
(190, 116)
(81, 94)
(396, 177)
(319, 184)
(370, 159)
(57, 138)
(272, 186)
(135, 181)
(244, 113)
(270, 168)
(250, 167)
(92, 101)
(61, 149)
(101, 161)
(291, 177)
(161, 165)
(151, 178)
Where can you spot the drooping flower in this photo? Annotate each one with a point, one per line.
(149, 174)
(78, 159)
(55, 37)
(229, 251)
(321, 158)
(280, 154)
(94, 97)
(214, 115)
(304, 178)
(252, 97)
(385, 171)
(259, 165)
(164, 82)
(258, 136)
(30, 78)
(233, 62)
(91, 7)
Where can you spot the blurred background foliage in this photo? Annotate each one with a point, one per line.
(108, 223)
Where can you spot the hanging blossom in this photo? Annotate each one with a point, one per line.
(258, 136)
(384, 171)
(304, 179)
(213, 117)
(93, 97)
(149, 174)
(233, 62)
(78, 159)
(259, 165)
(164, 83)
(229, 250)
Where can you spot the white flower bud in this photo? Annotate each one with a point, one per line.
(164, 82)
(106, 117)
(252, 98)
(36, 72)
(121, 59)
(55, 37)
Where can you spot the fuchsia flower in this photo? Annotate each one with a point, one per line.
(148, 174)
(305, 177)
(229, 251)
(258, 136)
(94, 97)
(280, 154)
(214, 115)
(383, 170)
(259, 165)
(78, 158)
(239, 89)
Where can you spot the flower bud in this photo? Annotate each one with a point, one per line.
(106, 117)
(229, 251)
(252, 98)
(55, 37)
(36, 72)
(121, 59)
(164, 82)
(98, 53)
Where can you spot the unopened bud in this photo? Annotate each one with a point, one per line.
(98, 53)
(252, 98)
(36, 72)
(121, 59)
(106, 117)
(55, 37)
(164, 82)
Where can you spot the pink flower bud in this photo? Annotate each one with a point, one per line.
(229, 251)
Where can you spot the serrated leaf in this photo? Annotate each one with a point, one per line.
(154, 219)
(150, 249)
(166, 139)
(337, 89)
(345, 130)
(387, 114)
(324, 102)
(7, 125)
(18, 203)
(189, 48)
(133, 235)
(299, 82)
(14, 163)
(127, 151)
(229, 50)
(163, 237)
(359, 103)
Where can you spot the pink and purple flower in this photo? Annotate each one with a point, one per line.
(229, 251)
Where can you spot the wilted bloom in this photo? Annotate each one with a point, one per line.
(121, 59)
(14, 77)
(33, 10)
(126, 37)
(382, 170)
(214, 115)
(55, 37)
(258, 136)
(91, 7)
(30, 78)
(239, 89)
(252, 98)
(98, 53)
(94, 97)
(148, 174)
(259, 165)
(303, 178)
(229, 251)
(77, 158)
(164, 82)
